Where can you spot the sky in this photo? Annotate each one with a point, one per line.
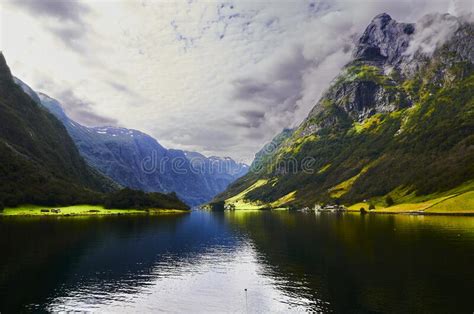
(218, 77)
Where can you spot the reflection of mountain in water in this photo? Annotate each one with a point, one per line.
(46, 258)
(366, 264)
(288, 261)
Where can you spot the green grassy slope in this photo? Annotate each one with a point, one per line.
(420, 143)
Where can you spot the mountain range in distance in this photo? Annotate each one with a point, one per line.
(395, 126)
(136, 160)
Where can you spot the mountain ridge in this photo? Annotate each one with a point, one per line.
(124, 154)
(39, 161)
(393, 122)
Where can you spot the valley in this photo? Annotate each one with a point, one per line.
(236, 156)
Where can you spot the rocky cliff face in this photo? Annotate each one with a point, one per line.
(387, 55)
(393, 121)
(384, 40)
(370, 83)
(136, 160)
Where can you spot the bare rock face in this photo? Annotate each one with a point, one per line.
(384, 40)
(365, 87)
(386, 55)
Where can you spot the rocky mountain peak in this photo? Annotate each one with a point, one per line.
(3, 62)
(384, 40)
(5, 73)
(382, 19)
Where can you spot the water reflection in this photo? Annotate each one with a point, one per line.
(372, 263)
(203, 262)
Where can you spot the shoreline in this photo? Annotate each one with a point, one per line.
(82, 211)
(354, 211)
(413, 213)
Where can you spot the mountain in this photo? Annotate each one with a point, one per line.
(136, 160)
(39, 162)
(268, 151)
(398, 121)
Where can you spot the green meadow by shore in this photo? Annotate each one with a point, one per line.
(459, 201)
(82, 210)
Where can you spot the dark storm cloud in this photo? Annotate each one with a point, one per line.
(90, 118)
(250, 119)
(64, 19)
(64, 10)
(82, 111)
(278, 89)
(248, 88)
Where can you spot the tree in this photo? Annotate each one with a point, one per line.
(219, 205)
(128, 198)
(371, 206)
(389, 201)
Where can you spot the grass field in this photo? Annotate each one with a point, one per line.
(81, 210)
(240, 202)
(458, 203)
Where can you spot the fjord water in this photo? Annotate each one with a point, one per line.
(202, 262)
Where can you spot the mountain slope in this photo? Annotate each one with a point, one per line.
(393, 123)
(39, 162)
(136, 160)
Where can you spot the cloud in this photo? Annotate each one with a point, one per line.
(251, 119)
(280, 81)
(204, 140)
(68, 10)
(82, 111)
(215, 19)
(70, 35)
(219, 77)
(431, 32)
(288, 83)
(64, 19)
(89, 118)
(78, 108)
(122, 88)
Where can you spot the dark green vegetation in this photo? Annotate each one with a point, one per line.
(39, 162)
(408, 131)
(128, 198)
(217, 206)
(388, 201)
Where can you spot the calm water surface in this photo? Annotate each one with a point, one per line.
(202, 262)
